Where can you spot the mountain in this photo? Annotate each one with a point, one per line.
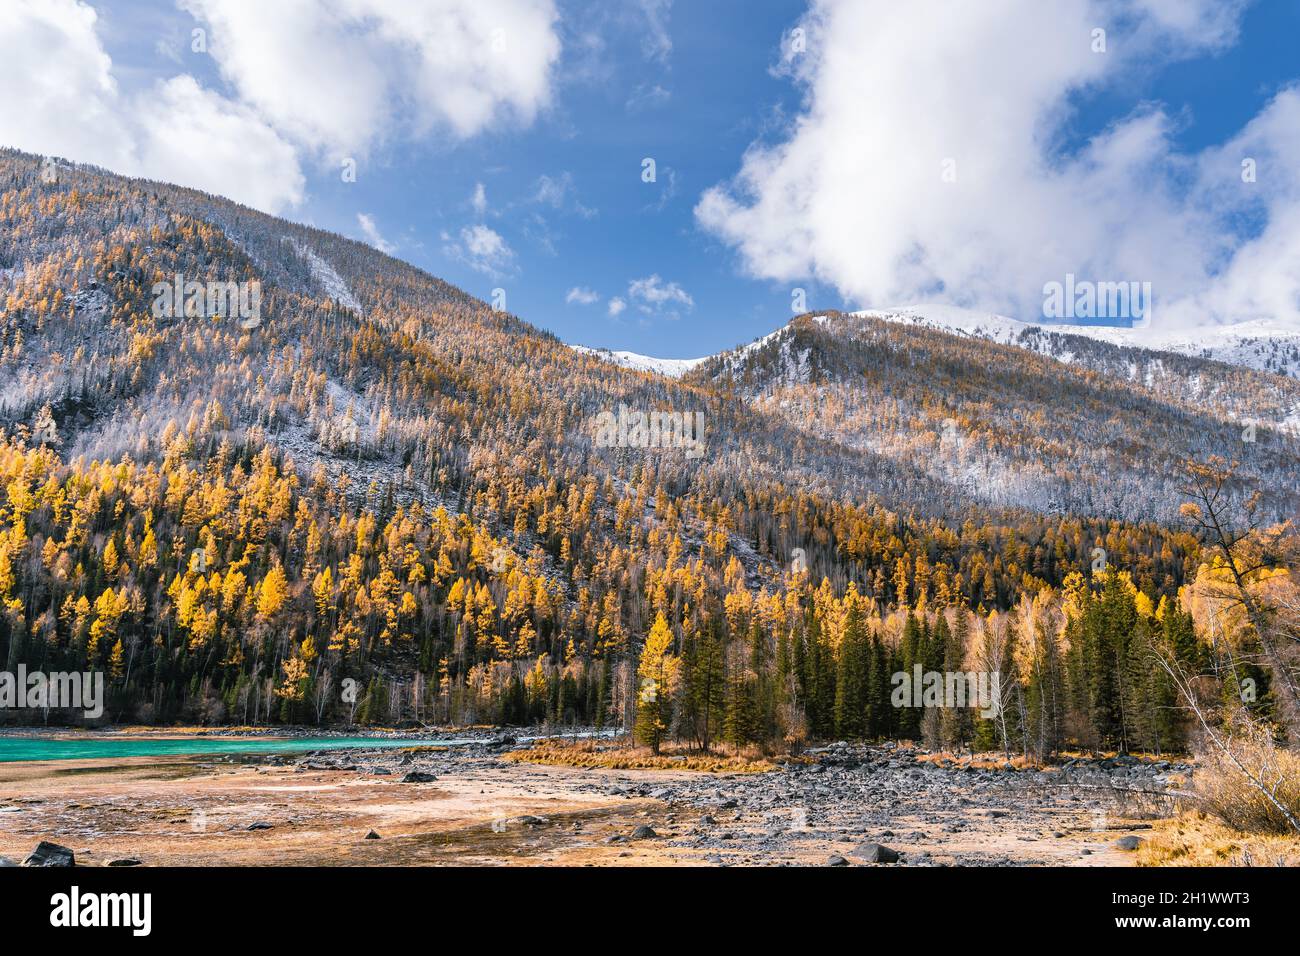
(673, 368)
(1018, 428)
(369, 475)
(1260, 344)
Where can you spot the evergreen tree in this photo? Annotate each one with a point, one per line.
(653, 708)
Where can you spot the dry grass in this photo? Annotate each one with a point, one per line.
(593, 755)
(1196, 839)
(1224, 792)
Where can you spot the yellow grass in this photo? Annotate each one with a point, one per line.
(1196, 839)
(1226, 793)
(593, 755)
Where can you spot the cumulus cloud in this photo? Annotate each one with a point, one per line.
(483, 250)
(928, 164)
(341, 75)
(582, 296)
(654, 294)
(327, 78)
(616, 306)
(62, 98)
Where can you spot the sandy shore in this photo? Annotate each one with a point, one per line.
(304, 811)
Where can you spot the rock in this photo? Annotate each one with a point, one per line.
(707, 821)
(1128, 843)
(259, 825)
(124, 861)
(837, 861)
(875, 853)
(644, 832)
(527, 820)
(372, 835)
(50, 854)
(6, 862)
(418, 776)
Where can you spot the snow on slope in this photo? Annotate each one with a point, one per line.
(1260, 344)
(673, 368)
(328, 279)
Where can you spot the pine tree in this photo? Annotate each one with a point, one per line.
(705, 691)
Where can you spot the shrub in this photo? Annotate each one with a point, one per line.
(1224, 791)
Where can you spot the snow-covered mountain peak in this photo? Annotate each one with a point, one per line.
(1261, 344)
(673, 368)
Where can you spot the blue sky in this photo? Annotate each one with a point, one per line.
(546, 196)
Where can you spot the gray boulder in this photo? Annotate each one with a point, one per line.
(875, 853)
(50, 854)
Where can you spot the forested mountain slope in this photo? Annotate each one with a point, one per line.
(1102, 434)
(385, 483)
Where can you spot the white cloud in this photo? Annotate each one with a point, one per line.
(371, 232)
(336, 77)
(582, 296)
(478, 201)
(62, 98)
(194, 136)
(341, 75)
(647, 96)
(656, 42)
(559, 193)
(483, 250)
(654, 295)
(616, 306)
(856, 195)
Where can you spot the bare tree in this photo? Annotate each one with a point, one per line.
(1269, 778)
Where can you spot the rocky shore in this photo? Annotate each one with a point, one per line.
(847, 805)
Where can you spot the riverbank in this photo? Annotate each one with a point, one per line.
(472, 805)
